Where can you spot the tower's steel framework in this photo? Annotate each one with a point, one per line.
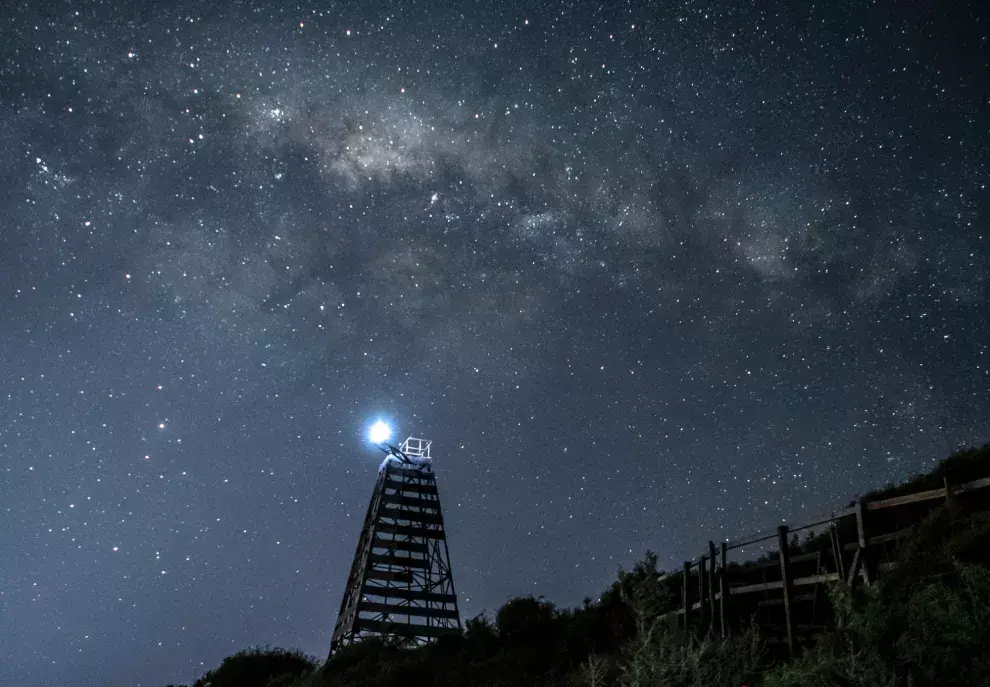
(400, 586)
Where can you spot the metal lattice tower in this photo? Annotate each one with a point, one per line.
(400, 586)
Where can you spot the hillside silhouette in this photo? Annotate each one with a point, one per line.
(924, 622)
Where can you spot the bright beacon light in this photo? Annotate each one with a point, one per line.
(379, 433)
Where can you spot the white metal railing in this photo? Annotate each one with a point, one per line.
(416, 448)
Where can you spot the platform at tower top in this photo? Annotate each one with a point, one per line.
(416, 452)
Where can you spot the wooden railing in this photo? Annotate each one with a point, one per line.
(721, 591)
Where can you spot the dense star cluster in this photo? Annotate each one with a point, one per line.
(647, 274)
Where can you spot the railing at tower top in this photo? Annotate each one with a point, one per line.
(854, 545)
(416, 448)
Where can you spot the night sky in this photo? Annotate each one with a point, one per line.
(646, 277)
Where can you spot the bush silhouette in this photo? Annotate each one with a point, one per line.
(258, 667)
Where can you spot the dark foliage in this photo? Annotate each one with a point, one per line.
(259, 668)
(926, 625)
(962, 466)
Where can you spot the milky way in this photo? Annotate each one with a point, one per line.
(646, 277)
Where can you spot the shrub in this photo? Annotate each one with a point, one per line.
(257, 668)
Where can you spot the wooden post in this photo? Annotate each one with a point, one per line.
(702, 593)
(711, 587)
(686, 593)
(833, 535)
(723, 590)
(865, 569)
(816, 589)
(854, 566)
(785, 576)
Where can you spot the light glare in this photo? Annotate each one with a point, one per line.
(379, 433)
